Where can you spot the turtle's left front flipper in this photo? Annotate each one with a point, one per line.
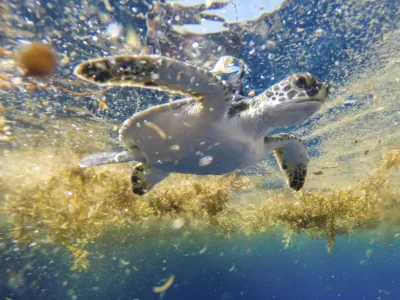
(292, 157)
(160, 73)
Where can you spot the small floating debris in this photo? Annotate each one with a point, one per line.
(108, 6)
(318, 173)
(165, 286)
(386, 292)
(225, 65)
(208, 4)
(202, 251)
(178, 223)
(103, 105)
(175, 147)
(37, 59)
(157, 129)
(123, 262)
(3, 121)
(4, 52)
(6, 82)
(7, 139)
(350, 101)
(133, 39)
(205, 161)
(114, 30)
(368, 253)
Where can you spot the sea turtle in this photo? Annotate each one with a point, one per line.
(205, 133)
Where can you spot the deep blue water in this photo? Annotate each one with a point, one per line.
(363, 266)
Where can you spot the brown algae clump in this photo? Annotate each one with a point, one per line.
(318, 214)
(76, 206)
(79, 258)
(37, 59)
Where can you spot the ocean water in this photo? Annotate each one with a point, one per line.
(71, 233)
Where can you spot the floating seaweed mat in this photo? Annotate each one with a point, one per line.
(75, 206)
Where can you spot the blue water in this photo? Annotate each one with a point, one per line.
(363, 266)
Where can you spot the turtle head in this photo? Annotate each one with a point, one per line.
(293, 100)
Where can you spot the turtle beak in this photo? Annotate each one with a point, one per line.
(324, 91)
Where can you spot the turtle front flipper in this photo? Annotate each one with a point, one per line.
(292, 157)
(159, 73)
(144, 178)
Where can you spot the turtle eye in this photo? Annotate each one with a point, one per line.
(301, 82)
(305, 81)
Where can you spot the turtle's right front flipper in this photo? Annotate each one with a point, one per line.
(292, 157)
(159, 73)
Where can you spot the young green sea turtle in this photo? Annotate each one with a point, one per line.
(205, 133)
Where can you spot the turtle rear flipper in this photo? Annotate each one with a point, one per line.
(103, 158)
(159, 73)
(144, 178)
(292, 157)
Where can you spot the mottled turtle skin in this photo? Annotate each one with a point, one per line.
(205, 133)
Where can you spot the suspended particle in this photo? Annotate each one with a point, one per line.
(205, 161)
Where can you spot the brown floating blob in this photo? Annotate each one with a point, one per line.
(252, 93)
(38, 59)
